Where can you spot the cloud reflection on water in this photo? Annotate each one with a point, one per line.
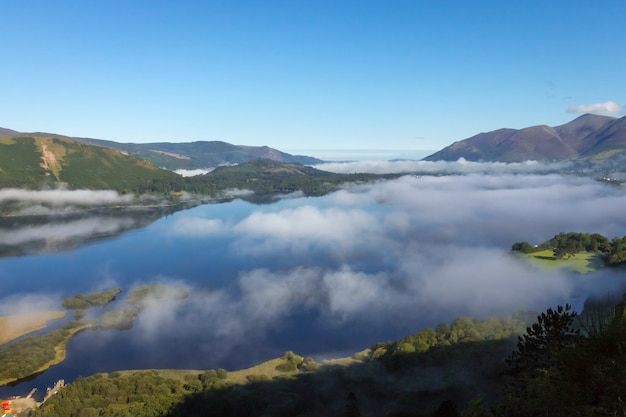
(402, 254)
(337, 273)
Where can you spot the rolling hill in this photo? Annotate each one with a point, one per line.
(201, 154)
(588, 139)
(38, 161)
(187, 155)
(269, 178)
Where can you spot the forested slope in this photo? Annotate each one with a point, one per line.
(562, 366)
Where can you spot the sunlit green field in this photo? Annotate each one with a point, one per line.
(583, 262)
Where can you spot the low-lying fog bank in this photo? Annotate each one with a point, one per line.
(331, 275)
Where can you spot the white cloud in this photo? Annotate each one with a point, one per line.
(193, 172)
(53, 233)
(308, 223)
(460, 166)
(64, 197)
(352, 294)
(607, 108)
(29, 303)
(270, 295)
(196, 226)
(236, 193)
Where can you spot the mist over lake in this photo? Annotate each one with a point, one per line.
(324, 277)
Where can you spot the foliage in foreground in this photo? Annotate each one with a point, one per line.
(561, 366)
(396, 380)
(565, 367)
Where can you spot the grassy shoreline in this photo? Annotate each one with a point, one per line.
(59, 348)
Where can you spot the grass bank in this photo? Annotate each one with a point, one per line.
(582, 262)
(36, 354)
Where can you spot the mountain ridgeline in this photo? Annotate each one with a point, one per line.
(37, 162)
(589, 139)
(41, 160)
(184, 155)
(201, 154)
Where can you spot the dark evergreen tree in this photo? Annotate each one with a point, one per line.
(447, 409)
(352, 406)
(538, 365)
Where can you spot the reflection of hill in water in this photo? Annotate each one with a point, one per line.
(37, 235)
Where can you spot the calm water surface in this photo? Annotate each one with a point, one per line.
(172, 252)
(324, 277)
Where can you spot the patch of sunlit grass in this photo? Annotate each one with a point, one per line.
(583, 262)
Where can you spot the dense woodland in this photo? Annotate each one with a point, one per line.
(566, 244)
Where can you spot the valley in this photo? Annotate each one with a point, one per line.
(224, 275)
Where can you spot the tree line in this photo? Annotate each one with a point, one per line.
(379, 380)
(561, 365)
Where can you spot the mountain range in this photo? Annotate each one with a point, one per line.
(186, 155)
(588, 139)
(200, 154)
(43, 159)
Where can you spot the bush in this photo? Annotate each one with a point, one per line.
(257, 378)
(287, 367)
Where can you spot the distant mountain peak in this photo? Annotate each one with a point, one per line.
(588, 134)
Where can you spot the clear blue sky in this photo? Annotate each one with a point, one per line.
(307, 74)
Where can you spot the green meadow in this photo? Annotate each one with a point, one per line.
(582, 262)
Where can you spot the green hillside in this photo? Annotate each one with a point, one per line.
(20, 163)
(35, 162)
(581, 251)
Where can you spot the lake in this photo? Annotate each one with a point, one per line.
(324, 277)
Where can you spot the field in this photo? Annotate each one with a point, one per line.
(13, 327)
(583, 262)
(266, 370)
